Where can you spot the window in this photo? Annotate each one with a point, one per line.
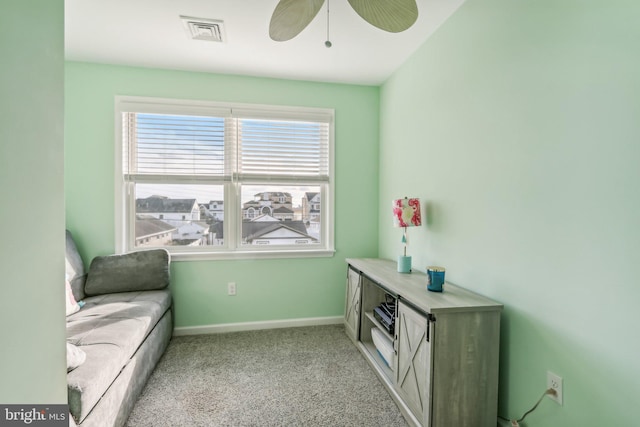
(209, 180)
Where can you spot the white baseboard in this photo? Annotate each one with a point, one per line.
(254, 326)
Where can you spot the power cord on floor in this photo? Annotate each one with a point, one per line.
(516, 423)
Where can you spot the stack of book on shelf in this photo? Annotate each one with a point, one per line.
(383, 345)
(385, 314)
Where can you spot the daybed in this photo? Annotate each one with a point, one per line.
(115, 340)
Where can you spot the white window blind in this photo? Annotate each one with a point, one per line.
(283, 150)
(173, 145)
(159, 145)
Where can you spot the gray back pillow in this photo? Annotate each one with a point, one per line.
(135, 271)
(74, 268)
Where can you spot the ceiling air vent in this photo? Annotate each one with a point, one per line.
(203, 29)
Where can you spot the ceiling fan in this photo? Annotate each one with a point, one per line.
(290, 17)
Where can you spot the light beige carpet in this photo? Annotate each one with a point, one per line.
(308, 376)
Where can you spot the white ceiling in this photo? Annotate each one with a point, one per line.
(149, 33)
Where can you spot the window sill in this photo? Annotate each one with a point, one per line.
(239, 255)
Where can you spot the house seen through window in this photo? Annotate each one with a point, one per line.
(210, 179)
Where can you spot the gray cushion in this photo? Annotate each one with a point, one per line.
(136, 271)
(74, 268)
(109, 329)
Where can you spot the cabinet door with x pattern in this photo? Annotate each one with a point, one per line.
(352, 303)
(413, 380)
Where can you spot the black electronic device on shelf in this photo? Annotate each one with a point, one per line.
(385, 313)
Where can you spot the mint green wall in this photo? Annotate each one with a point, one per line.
(518, 124)
(32, 358)
(267, 289)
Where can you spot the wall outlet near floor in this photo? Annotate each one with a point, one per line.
(555, 382)
(231, 288)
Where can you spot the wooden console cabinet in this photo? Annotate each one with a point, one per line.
(443, 365)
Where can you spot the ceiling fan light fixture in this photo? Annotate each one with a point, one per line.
(290, 17)
(328, 42)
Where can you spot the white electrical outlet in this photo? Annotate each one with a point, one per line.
(555, 382)
(231, 288)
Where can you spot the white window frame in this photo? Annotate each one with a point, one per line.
(125, 201)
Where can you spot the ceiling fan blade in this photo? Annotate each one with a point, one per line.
(291, 17)
(393, 16)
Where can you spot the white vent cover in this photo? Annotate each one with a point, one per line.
(203, 29)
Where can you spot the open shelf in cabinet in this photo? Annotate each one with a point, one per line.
(376, 323)
(373, 295)
(377, 359)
